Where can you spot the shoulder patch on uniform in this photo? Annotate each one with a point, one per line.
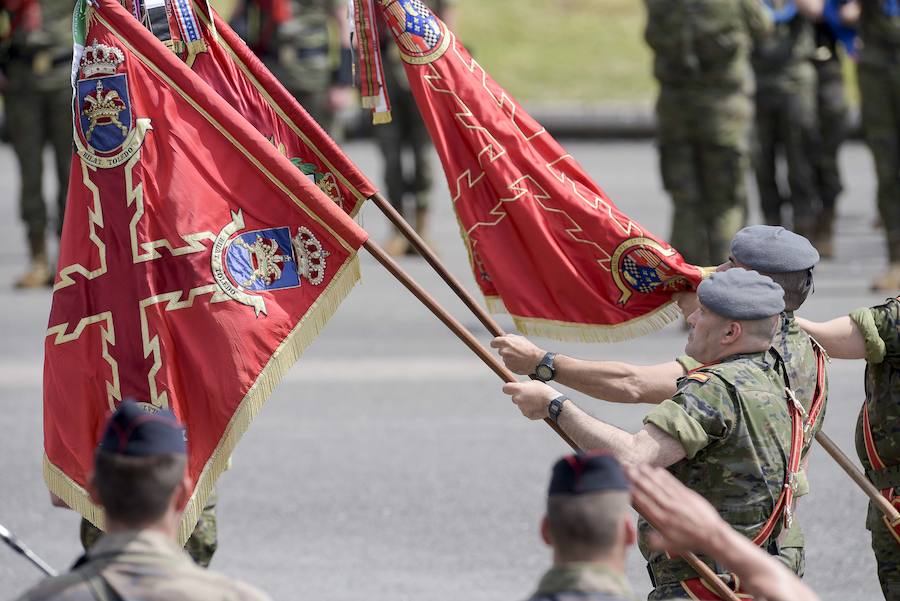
(697, 377)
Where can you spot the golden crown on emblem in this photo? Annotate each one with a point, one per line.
(100, 59)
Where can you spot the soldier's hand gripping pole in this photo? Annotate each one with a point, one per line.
(20, 548)
(705, 572)
(886, 507)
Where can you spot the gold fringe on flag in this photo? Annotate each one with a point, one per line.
(279, 363)
(580, 332)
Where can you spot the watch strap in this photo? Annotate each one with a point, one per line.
(556, 407)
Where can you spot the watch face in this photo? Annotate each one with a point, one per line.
(543, 372)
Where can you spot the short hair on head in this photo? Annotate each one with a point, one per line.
(796, 285)
(137, 490)
(764, 329)
(585, 525)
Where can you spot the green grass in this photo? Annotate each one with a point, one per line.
(561, 50)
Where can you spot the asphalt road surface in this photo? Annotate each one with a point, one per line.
(388, 465)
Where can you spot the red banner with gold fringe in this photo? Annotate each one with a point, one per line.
(196, 262)
(243, 81)
(545, 242)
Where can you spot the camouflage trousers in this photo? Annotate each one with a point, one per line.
(831, 103)
(879, 88)
(785, 127)
(36, 118)
(703, 139)
(201, 545)
(793, 557)
(887, 553)
(405, 134)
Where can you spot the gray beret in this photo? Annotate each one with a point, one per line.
(773, 249)
(741, 294)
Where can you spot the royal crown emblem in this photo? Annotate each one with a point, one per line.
(247, 263)
(103, 108)
(100, 59)
(107, 132)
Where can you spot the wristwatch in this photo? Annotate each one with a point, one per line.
(556, 406)
(545, 370)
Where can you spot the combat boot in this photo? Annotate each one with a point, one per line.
(38, 274)
(824, 241)
(421, 228)
(397, 245)
(889, 281)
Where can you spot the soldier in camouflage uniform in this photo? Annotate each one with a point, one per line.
(406, 132)
(732, 409)
(201, 545)
(831, 106)
(306, 45)
(788, 259)
(786, 117)
(589, 527)
(704, 112)
(878, 72)
(36, 58)
(140, 480)
(874, 335)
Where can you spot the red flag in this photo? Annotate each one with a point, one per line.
(196, 261)
(544, 241)
(241, 79)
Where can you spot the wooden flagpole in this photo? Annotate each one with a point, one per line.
(432, 259)
(705, 572)
(885, 506)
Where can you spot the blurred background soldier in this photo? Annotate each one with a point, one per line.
(831, 105)
(140, 480)
(878, 72)
(786, 116)
(306, 45)
(36, 59)
(406, 132)
(704, 111)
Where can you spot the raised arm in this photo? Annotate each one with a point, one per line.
(687, 522)
(649, 445)
(841, 338)
(612, 381)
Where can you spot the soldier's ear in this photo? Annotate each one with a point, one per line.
(92, 490)
(545, 532)
(630, 532)
(732, 332)
(183, 491)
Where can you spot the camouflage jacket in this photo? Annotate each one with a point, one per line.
(781, 62)
(880, 327)
(144, 565)
(584, 582)
(732, 420)
(794, 347)
(40, 59)
(306, 48)
(705, 44)
(879, 30)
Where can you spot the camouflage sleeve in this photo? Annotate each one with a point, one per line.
(688, 363)
(880, 327)
(700, 414)
(759, 23)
